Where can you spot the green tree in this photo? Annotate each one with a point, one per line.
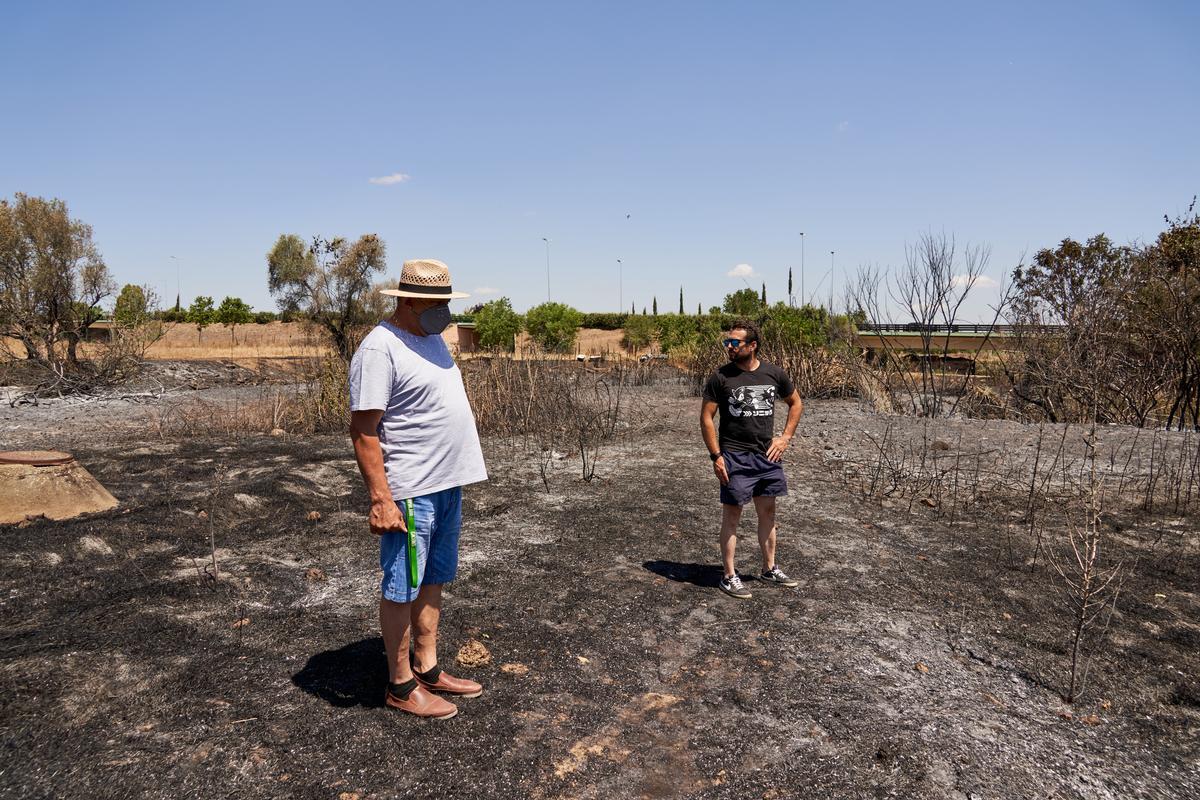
(233, 311)
(639, 332)
(1129, 348)
(1171, 300)
(139, 321)
(497, 324)
(52, 278)
(709, 331)
(785, 325)
(744, 302)
(681, 311)
(201, 314)
(676, 332)
(327, 282)
(553, 326)
(1095, 365)
(764, 294)
(1066, 283)
(654, 305)
(131, 307)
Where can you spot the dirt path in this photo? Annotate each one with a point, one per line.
(909, 663)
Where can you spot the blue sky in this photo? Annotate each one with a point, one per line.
(684, 138)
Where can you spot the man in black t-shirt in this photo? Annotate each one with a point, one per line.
(745, 452)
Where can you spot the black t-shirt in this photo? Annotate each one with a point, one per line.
(746, 401)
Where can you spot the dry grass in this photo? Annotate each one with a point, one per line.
(273, 340)
(317, 403)
(272, 410)
(182, 342)
(551, 407)
(589, 341)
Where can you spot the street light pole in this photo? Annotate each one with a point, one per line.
(620, 286)
(547, 241)
(831, 278)
(621, 269)
(802, 301)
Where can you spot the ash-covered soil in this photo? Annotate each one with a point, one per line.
(916, 659)
(136, 410)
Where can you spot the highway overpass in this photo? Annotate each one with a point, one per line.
(950, 338)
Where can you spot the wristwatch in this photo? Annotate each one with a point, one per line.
(714, 456)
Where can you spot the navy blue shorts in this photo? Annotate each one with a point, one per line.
(751, 475)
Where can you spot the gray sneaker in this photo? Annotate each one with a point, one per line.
(776, 575)
(734, 587)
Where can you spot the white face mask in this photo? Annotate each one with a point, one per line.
(435, 319)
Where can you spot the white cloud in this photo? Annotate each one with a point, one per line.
(843, 126)
(486, 290)
(981, 282)
(741, 271)
(388, 180)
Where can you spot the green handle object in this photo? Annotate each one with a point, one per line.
(410, 522)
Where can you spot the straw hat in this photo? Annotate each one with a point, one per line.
(426, 279)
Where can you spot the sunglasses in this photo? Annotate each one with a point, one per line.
(732, 342)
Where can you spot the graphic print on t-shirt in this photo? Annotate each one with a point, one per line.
(752, 401)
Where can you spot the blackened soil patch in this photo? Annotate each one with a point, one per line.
(916, 659)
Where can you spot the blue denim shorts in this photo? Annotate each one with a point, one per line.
(439, 518)
(751, 475)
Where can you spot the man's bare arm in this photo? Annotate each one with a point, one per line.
(385, 515)
(780, 443)
(708, 410)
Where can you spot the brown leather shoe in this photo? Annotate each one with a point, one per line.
(448, 684)
(421, 703)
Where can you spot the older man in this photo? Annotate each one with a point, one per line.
(745, 452)
(416, 444)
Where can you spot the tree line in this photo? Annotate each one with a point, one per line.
(1125, 347)
(1129, 349)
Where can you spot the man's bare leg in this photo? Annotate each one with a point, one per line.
(394, 619)
(765, 507)
(730, 516)
(427, 611)
(402, 622)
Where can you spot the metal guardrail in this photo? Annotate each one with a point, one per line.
(917, 327)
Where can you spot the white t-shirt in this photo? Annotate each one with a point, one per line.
(427, 432)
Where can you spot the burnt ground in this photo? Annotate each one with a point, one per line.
(916, 659)
(145, 407)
